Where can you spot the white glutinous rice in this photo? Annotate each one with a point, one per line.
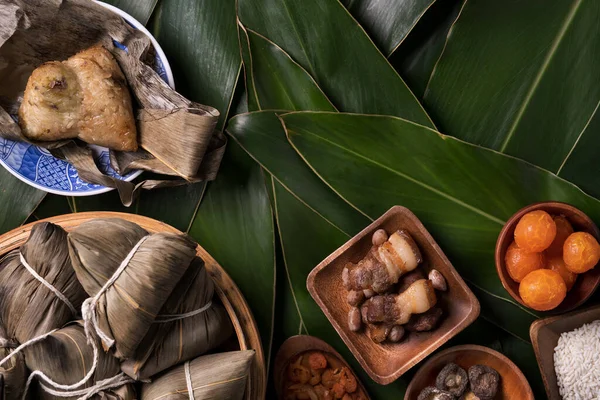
(577, 363)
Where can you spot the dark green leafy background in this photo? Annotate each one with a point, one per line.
(302, 174)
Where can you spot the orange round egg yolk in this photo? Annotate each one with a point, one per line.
(543, 290)
(557, 264)
(563, 231)
(581, 252)
(535, 231)
(519, 262)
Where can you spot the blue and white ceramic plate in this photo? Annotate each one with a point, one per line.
(38, 168)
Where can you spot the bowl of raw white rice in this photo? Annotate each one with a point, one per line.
(567, 349)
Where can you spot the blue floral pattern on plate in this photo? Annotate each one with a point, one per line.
(37, 167)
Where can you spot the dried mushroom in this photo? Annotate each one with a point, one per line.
(396, 333)
(433, 393)
(354, 319)
(426, 321)
(437, 280)
(484, 380)
(452, 378)
(379, 237)
(470, 396)
(355, 297)
(379, 332)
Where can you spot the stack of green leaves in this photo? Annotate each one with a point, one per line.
(343, 110)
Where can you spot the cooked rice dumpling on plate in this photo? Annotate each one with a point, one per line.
(84, 97)
(28, 307)
(214, 376)
(130, 274)
(191, 323)
(66, 357)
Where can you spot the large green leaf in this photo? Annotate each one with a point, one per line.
(326, 41)
(521, 77)
(463, 193)
(17, 201)
(138, 9)
(417, 54)
(201, 43)
(235, 225)
(388, 21)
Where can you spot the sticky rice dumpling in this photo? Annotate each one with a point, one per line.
(130, 273)
(13, 372)
(175, 337)
(66, 357)
(28, 307)
(84, 97)
(214, 376)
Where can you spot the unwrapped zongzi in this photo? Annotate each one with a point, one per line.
(214, 376)
(28, 306)
(190, 324)
(66, 357)
(130, 274)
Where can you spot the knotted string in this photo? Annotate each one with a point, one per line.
(24, 345)
(47, 284)
(90, 324)
(188, 380)
(161, 319)
(110, 383)
(88, 309)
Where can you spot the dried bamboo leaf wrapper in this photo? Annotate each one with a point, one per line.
(152, 269)
(212, 377)
(29, 308)
(14, 373)
(172, 342)
(66, 357)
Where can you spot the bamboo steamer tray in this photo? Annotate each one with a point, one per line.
(240, 314)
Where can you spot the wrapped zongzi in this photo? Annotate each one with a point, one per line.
(38, 287)
(130, 274)
(190, 324)
(66, 357)
(13, 371)
(214, 376)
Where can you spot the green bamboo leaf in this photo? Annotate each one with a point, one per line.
(388, 21)
(51, 205)
(235, 225)
(462, 193)
(277, 80)
(138, 9)
(327, 42)
(521, 77)
(17, 201)
(200, 40)
(417, 54)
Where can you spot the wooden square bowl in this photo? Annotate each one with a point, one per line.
(387, 361)
(586, 283)
(544, 337)
(513, 384)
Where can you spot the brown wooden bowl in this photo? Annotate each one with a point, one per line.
(544, 337)
(240, 314)
(586, 283)
(296, 345)
(513, 383)
(387, 361)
